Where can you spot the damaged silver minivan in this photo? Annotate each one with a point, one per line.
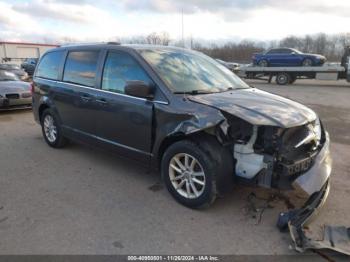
(183, 113)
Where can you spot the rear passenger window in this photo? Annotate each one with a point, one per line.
(119, 68)
(49, 65)
(80, 67)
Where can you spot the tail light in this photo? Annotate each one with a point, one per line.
(32, 88)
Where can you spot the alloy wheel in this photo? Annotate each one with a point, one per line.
(187, 175)
(50, 129)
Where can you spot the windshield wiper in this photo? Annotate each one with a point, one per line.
(193, 92)
(234, 88)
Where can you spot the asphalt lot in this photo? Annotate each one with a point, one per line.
(79, 200)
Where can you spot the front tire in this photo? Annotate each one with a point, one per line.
(51, 129)
(307, 62)
(189, 174)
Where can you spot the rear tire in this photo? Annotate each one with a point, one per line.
(263, 63)
(283, 78)
(186, 185)
(51, 129)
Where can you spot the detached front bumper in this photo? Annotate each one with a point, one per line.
(303, 216)
(314, 183)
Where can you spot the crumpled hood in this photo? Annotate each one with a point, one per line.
(259, 107)
(7, 87)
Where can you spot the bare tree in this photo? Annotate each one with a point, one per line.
(164, 38)
(158, 38)
(332, 46)
(153, 39)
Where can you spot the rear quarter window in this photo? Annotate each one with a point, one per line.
(49, 65)
(81, 67)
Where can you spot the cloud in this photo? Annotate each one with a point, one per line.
(13, 21)
(78, 12)
(69, 1)
(238, 9)
(190, 6)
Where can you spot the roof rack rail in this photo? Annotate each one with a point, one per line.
(113, 43)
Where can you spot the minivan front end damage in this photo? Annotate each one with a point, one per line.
(293, 158)
(275, 142)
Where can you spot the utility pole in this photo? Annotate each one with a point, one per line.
(191, 43)
(182, 27)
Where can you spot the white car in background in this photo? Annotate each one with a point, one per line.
(13, 92)
(230, 65)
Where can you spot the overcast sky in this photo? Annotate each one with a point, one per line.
(214, 20)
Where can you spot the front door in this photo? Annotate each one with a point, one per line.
(124, 122)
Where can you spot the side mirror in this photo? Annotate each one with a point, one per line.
(293, 53)
(139, 89)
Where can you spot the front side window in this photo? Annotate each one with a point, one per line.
(80, 67)
(119, 68)
(49, 65)
(187, 71)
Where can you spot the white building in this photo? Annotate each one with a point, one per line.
(15, 52)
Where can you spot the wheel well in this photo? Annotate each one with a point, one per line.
(41, 110)
(265, 60)
(168, 141)
(218, 153)
(307, 58)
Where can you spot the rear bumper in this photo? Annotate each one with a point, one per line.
(21, 103)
